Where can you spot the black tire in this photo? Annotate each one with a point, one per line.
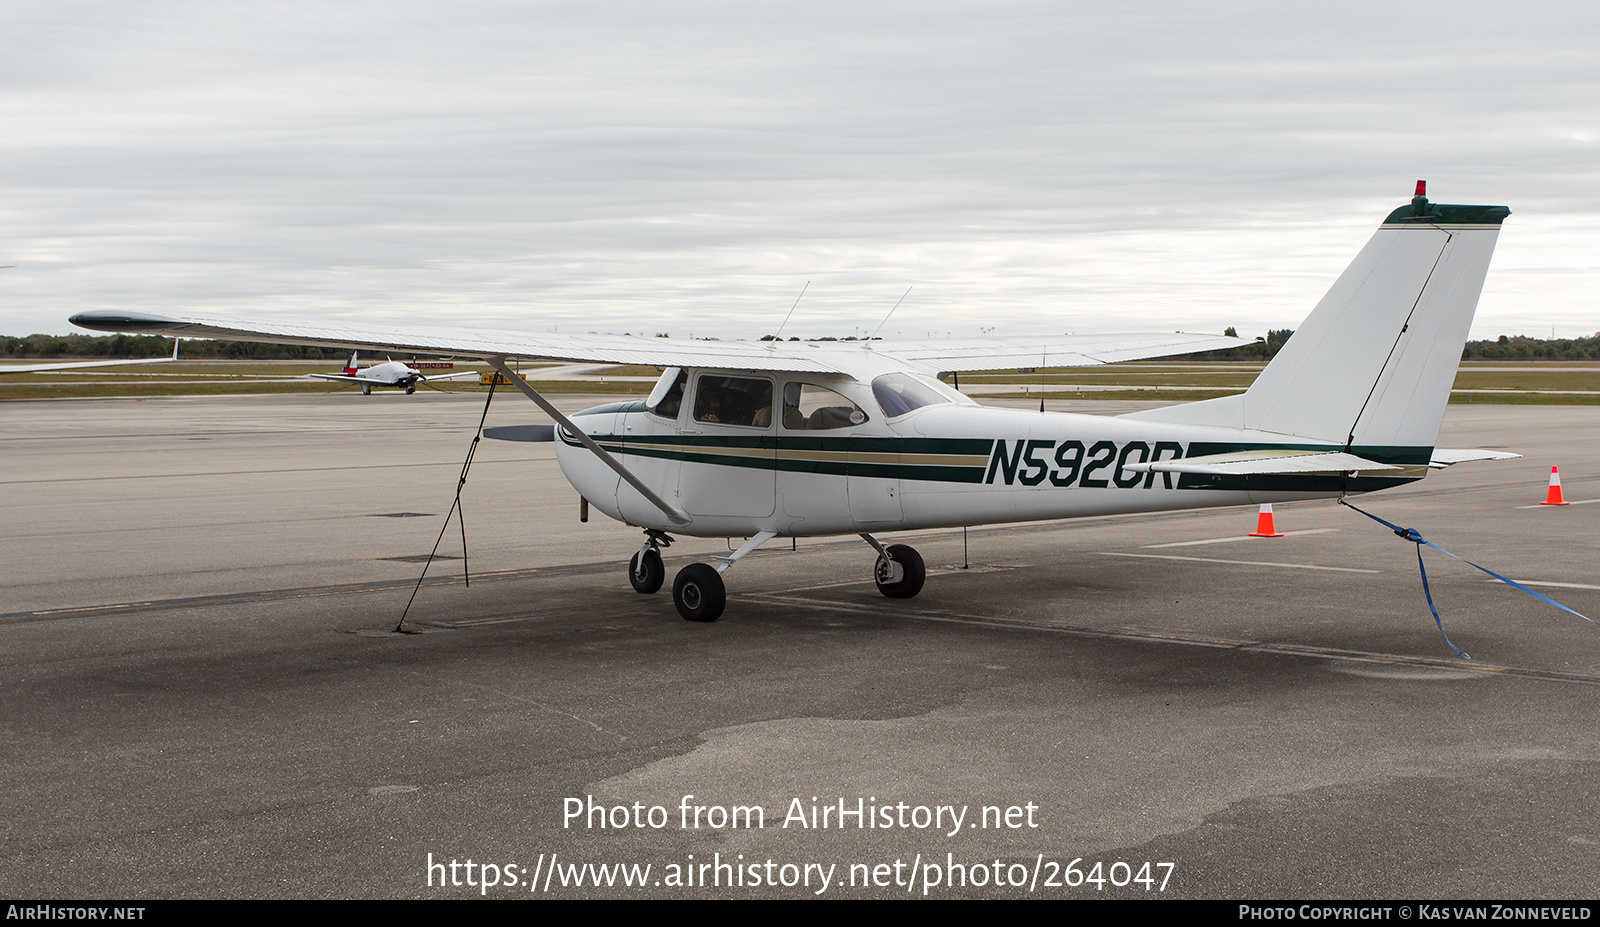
(410, 388)
(648, 579)
(911, 563)
(366, 389)
(698, 593)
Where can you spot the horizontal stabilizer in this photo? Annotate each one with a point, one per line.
(1266, 462)
(1444, 456)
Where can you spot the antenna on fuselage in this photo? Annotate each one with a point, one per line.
(779, 335)
(891, 312)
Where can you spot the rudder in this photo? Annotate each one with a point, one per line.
(1372, 365)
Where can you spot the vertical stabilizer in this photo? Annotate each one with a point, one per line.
(1373, 364)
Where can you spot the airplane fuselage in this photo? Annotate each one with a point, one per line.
(947, 463)
(393, 373)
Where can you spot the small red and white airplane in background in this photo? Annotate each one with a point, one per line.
(764, 440)
(397, 374)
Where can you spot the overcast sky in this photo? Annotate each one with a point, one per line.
(688, 167)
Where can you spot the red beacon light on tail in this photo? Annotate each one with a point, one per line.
(1419, 201)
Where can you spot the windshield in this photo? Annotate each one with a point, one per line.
(899, 393)
(672, 397)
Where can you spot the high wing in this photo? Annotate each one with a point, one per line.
(960, 354)
(790, 356)
(82, 365)
(451, 376)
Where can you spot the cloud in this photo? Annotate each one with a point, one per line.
(633, 166)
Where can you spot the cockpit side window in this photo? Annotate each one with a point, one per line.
(808, 407)
(899, 393)
(733, 401)
(672, 402)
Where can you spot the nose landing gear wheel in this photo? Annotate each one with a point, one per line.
(902, 578)
(698, 593)
(648, 575)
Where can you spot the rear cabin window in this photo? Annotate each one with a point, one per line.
(734, 401)
(808, 407)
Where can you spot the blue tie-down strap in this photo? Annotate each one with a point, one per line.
(1414, 537)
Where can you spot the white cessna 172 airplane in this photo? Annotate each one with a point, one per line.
(389, 373)
(787, 439)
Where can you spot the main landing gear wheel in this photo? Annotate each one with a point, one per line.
(900, 575)
(698, 593)
(366, 389)
(646, 573)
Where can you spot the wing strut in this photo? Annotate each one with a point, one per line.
(673, 513)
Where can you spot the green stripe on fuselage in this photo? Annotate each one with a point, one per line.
(768, 452)
(1395, 455)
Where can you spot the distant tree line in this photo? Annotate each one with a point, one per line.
(1504, 348)
(123, 346)
(1263, 349)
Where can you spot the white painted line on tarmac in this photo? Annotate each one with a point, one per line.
(1258, 563)
(1237, 537)
(1573, 502)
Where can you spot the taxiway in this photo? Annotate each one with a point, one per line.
(203, 698)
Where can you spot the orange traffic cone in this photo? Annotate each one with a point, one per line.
(1554, 496)
(1264, 528)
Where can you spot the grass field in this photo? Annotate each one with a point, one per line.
(1513, 383)
(631, 370)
